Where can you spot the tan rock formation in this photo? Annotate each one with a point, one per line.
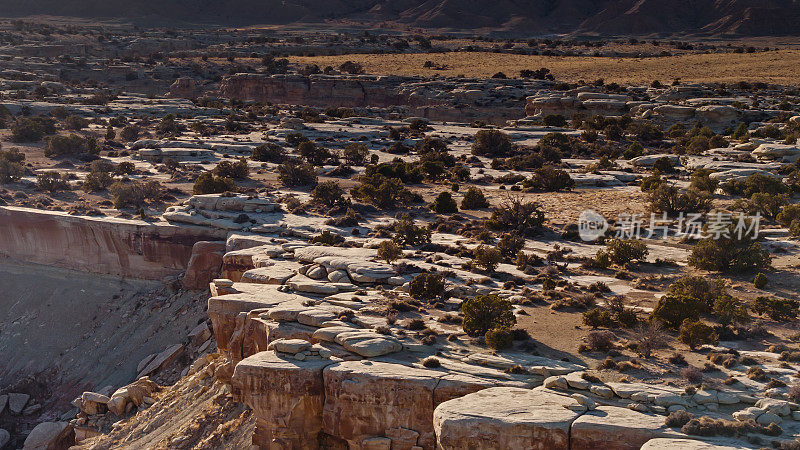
(128, 248)
(505, 417)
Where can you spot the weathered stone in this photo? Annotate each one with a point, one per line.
(204, 264)
(615, 428)
(163, 359)
(363, 399)
(505, 417)
(601, 391)
(50, 436)
(688, 444)
(769, 418)
(17, 402)
(286, 396)
(289, 345)
(368, 344)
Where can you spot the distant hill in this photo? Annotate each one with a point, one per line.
(533, 17)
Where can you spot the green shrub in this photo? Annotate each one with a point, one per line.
(236, 171)
(31, 129)
(663, 165)
(729, 311)
(129, 133)
(474, 199)
(444, 204)
(328, 194)
(295, 139)
(426, 286)
(755, 183)
(382, 192)
(666, 198)
(52, 182)
(208, 183)
(486, 257)
(549, 179)
(491, 143)
(778, 309)
(790, 217)
(75, 123)
(760, 281)
(554, 120)
(407, 233)
(135, 193)
(729, 254)
(97, 181)
(768, 205)
(548, 284)
(11, 167)
(486, 312)
(702, 288)
(269, 152)
(355, 154)
(499, 338)
(316, 156)
(635, 150)
(701, 181)
(695, 332)
(599, 317)
(672, 310)
(327, 238)
(649, 183)
(293, 173)
(70, 145)
(620, 251)
(389, 251)
(510, 245)
(516, 216)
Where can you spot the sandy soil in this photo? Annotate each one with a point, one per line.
(780, 66)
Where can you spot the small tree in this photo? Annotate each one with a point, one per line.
(355, 154)
(729, 254)
(474, 199)
(620, 251)
(293, 173)
(491, 143)
(269, 152)
(729, 311)
(407, 233)
(499, 338)
(328, 194)
(208, 183)
(486, 312)
(389, 251)
(487, 257)
(695, 332)
(426, 286)
(444, 204)
(672, 310)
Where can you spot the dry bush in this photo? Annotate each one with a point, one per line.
(692, 374)
(707, 426)
(677, 419)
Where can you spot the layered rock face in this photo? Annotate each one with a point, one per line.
(437, 100)
(313, 90)
(126, 248)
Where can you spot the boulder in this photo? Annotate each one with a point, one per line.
(615, 428)
(505, 417)
(363, 399)
(17, 402)
(5, 437)
(163, 359)
(204, 264)
(50, 436)
(689, 444)
(368, 343)
(289, 345)
(286, 396)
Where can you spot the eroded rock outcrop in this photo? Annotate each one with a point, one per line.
(128, 248)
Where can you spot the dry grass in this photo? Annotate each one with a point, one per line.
(781, 66)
